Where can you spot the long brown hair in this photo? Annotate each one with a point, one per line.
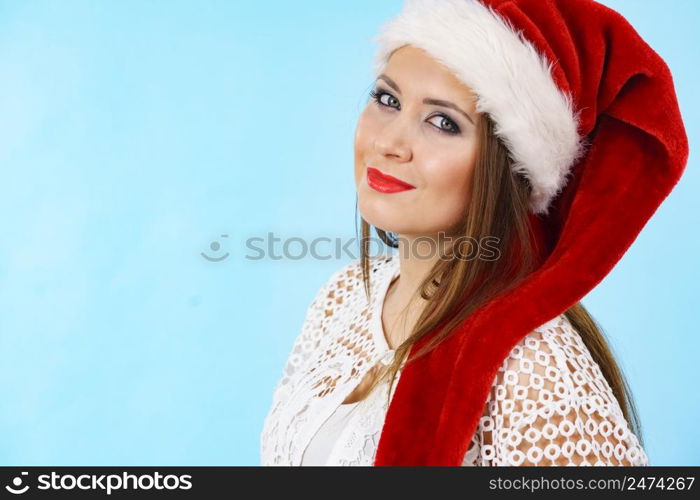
(455, 287)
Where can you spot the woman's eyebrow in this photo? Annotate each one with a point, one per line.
(427, 100)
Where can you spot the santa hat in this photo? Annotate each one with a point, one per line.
(589, 114)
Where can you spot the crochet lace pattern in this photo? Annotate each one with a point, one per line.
(549, 403)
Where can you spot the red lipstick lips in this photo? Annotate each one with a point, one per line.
(385, 183)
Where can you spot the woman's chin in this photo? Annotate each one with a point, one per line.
(385, 222)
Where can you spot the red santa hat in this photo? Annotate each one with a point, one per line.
(589, 114)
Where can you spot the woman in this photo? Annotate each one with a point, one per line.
(510, 186)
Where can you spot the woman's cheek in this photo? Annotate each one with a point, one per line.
(452, 185)
(359, 175)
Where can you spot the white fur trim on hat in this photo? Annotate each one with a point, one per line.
(513, 83)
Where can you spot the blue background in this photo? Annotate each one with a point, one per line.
(134, 134)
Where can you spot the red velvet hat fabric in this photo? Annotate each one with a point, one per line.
(637, 152)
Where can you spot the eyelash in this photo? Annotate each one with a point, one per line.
(376, 94)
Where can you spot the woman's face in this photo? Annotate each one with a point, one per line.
(430, 147)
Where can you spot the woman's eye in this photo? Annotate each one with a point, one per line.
(378, 95)
(390, 102)
(444, 121)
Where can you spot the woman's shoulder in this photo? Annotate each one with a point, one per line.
(337, 299)
(556, 401)
(553, 365)
(556, 338)
(555, 350)
(347, 280)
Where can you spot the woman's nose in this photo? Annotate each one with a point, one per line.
(394, 140)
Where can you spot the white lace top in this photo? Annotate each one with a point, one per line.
(549, 404)
(322, 443)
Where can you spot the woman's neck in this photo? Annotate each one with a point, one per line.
(403, 303)
(417, 255)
